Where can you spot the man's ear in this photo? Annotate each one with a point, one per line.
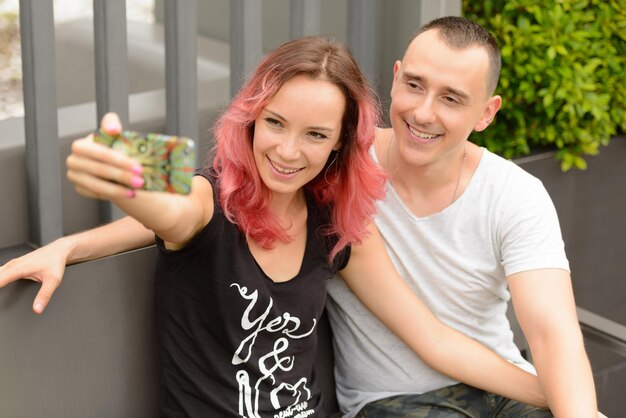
(396, 73)
(491, 108)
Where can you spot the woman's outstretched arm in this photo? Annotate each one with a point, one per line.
(103, 173)
(46, 265)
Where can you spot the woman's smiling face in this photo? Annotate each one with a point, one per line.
(296, 131)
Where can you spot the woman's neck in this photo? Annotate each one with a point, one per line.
(288, 208)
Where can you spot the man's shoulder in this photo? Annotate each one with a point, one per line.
(501, 170)
(504, 184)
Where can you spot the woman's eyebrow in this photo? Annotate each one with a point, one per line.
(315, 128)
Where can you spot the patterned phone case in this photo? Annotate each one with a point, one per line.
(168, 161)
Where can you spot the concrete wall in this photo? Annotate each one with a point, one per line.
(92, 354)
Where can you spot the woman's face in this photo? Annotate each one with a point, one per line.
(296, 132)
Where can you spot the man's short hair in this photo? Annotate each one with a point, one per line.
(461, 33)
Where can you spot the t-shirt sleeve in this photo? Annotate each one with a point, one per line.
(530, 234)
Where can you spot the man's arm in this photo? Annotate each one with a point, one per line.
(370, 274)
(544, 305)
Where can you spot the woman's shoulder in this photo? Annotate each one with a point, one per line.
(209, 173)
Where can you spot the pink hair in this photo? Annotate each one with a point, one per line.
(348, 186)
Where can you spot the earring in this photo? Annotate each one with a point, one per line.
(334, 160)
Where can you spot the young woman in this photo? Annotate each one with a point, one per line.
(244, 258)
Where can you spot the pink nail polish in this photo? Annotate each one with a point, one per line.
(111, 127)
(131, 193)
(137, 169)
(137, 182)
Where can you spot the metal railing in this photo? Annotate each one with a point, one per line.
(37, 31)
(111, 62)
(609, 334)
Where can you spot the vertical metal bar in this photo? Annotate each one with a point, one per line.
(245, 40)
(430, 10)
(363, 35)
(111, 59)
(305, 18)
(40, 121)
(181, 73)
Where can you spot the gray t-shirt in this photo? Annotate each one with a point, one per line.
(456, 261)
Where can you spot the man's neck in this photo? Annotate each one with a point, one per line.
(429, 188)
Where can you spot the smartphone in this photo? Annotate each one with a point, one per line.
(168, 161)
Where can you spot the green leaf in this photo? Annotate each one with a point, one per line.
(566, 164)
(522, 22)
(561, 49)
(548, 100)
(580, 163)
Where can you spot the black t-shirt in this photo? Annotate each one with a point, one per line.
(233, 342)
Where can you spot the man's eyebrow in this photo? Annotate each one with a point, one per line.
(407, 75)
(316, 128)
(461, 94)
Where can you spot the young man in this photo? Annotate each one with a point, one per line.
(461, 224)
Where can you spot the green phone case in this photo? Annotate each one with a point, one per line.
(168, 161)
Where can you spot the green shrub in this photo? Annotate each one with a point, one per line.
(563, 80)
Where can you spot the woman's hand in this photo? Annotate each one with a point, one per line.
(100, 172)
(45, 265)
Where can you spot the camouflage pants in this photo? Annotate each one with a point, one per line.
(458, 401)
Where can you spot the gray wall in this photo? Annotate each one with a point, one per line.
(92, 353)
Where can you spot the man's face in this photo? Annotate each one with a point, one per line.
(439, 95)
